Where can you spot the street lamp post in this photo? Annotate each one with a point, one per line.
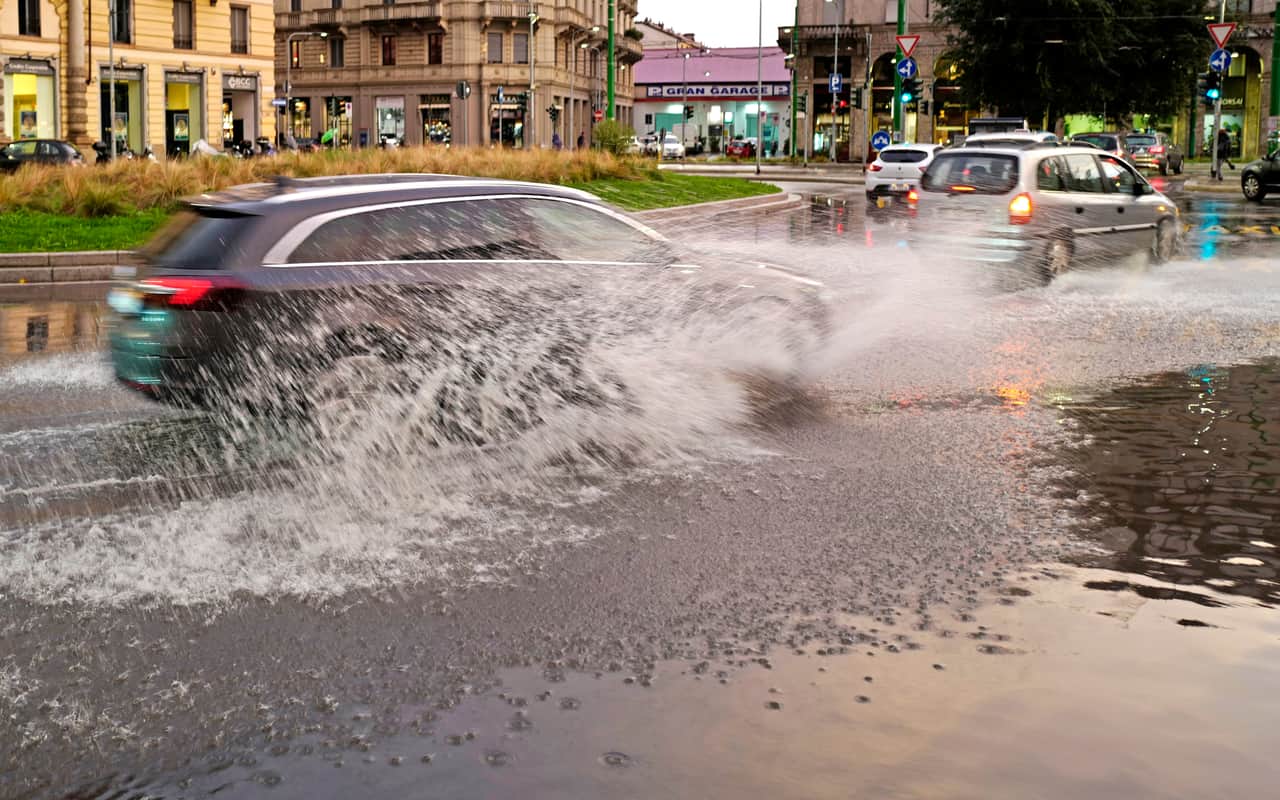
(1217, 110)
(288, 72)
(760, 117)
(835, 68)
(684, 103)
(111, 75)
(531, 107)
(574, 47)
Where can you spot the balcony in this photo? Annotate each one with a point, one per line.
(574, 18)
(629, 50)
(853, 38)
(505, 9)
(399, 12)
(306, 20)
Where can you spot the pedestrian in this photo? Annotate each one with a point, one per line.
(582, 139)
(1224, 150)
(555, 140)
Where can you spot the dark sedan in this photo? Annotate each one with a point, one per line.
(38, 151)
(1261, 177)
(256, 297)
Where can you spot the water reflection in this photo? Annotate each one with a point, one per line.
(36, 322)
(1183, 473)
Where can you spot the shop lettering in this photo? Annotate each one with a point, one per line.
(742, 90)
(244, 83)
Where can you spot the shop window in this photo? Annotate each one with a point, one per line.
(37, 334)
(239, 29)
(520, 48)
(337, 52)
(183, 25)
(28, 17)
(388, 51)
(495, 48)
(435, 48)
(295, 54)
(122, 25)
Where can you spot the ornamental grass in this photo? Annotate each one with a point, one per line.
(123, 187)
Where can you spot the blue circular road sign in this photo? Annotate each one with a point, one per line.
(880, 140)
(1220, 60)
(907, 68)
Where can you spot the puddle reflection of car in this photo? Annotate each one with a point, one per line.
(268, 290)
(896, 172)
(1041, 210)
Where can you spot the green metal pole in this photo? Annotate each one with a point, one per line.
(795, 72)
(613, 56)
(1275, 59)
(897, 79)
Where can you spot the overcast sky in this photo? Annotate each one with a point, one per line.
(721, 23)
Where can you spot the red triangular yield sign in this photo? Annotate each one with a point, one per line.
(1221, 32)
(908, 44)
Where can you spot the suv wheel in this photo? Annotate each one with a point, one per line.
(1251, 185)
(1164, 167)
(1056, 261)
(1165, 244)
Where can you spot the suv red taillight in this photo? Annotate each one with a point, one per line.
(196, 294)
(1020, 209)
(1156, 149)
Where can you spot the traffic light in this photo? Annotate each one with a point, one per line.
(688, 112)
(857, 97)
(924, 107)
(1213, 86)
(911, 90)
(522, 101)
(553, 112)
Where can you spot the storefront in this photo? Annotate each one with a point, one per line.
(183, 111)
(239, 109)
(506, 122)
(299, 122)
(31, 99)
(389, 113)
(337, 122)
(434, 113)
(129, 90)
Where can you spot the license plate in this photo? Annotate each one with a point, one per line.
(899, 187)
(125, 301)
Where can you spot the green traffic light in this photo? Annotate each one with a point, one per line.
(907, 97)
(1213, 94)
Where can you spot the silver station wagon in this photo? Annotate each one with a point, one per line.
(1041, 210)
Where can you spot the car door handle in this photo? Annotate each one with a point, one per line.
(1120, 210)
(1079, 209)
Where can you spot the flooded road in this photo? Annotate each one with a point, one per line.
(1002, 545)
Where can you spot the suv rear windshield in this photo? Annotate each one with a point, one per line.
(976, 171)
(1142, 141)
(1105, 142)
(199, 239)
(903, 156)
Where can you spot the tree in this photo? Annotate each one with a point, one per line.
(1042, 59)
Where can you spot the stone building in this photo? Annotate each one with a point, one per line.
(659, 37)
(184, 70)
(868, 55)
(377, 71)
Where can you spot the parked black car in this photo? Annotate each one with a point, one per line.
(1117, 144)
(1260, 178)
(255, 297)
(1155, 151)
(38, 151)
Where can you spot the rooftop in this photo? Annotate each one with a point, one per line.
(726, 65)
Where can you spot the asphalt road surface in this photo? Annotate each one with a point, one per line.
(996, 545)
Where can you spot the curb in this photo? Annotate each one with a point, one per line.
(772, 202)
(1216, 187)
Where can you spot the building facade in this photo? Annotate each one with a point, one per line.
(868, 55)
(183, 70)
(370, 71)
(720, 89)
(657, 36)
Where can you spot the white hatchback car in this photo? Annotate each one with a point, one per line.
(897, 170)
(671, 147)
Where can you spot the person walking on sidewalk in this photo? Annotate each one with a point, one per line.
(1224, 151)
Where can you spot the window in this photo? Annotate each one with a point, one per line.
(122, 29)
(478, 230)
(336, 4)
(388, 51)
(495, 48)
(295, 54)
(1118, 176)
(183, 38)
(520, 48)
(435, 48)
(37, 334)
(28, 17)
(1050, 175)
(239, 29)
(903, 156)
(195, 240)
(295, 6)
(337, 52)
(973, 171)
(1082, 174)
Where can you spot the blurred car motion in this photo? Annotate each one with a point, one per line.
(1041, 210)
(897, 170)
(281, 283)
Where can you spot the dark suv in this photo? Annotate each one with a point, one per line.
(256, 295)
(1155, 151)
